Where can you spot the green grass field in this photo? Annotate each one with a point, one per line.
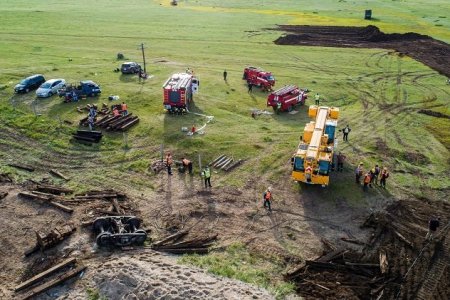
(378, 92)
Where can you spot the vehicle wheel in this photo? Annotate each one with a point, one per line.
(290, 108)
(50, 94)
(27, 90)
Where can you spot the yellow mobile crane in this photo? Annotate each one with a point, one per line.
(313, 159)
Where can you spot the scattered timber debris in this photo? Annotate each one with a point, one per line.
(225, 163)
(44, 274)
(58, 174)
(158, 166)
(5, 178)
(52, 189)
(46, 198)
(23, 167)
(87, 137)
(173, 244)
(100, 194)
(51, 239)
(396, 263)
(66, 270)
(103, 203)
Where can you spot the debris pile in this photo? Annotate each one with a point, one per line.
(174, 244)
(42, 282)
(397, 262)
(103, 203)
(225, 163)
(51, 239)
(158, 166)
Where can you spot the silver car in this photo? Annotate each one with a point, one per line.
(50, 87)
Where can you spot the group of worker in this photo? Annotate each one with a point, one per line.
(186, 164)
(372, 176)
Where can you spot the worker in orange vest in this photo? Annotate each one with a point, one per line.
(124, 109)
(187, 164)
(367, 179)
(268, 198)
(169, 162)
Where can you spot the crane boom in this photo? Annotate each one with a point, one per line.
(313, 159)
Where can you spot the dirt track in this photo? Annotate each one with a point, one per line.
(431, 52)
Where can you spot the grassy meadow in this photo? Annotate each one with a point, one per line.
(80, 40)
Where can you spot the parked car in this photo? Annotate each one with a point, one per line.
(50, 87)
(29, 83)
(130, 68)
(74, 92)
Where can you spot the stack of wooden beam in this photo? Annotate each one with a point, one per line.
(117, 123)
(88, 137)
(172, 244)
(225, 163)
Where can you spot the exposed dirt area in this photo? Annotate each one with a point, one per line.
(431, 52)
(291, 233)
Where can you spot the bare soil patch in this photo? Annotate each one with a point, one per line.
(429, 51)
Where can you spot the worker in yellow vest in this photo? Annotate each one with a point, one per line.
(206, 174)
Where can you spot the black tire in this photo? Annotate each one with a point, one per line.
(50, 94)
(27, 90)
(290, 108)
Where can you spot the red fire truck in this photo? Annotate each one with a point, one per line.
(259, 78)
(178, 92)
(288, 96)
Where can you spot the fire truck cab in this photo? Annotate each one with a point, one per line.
(178, 92)
(288, 96)
(259, 78)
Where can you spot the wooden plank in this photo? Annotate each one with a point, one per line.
(48, 285)
(234, 165)
(227, 164)
(216, 160)
(31, 250)
(61, 206)
(384, 265)
(42, 275)
(170, 238)
(58, 174)
(53, 189)
(23, 167)
(129, 124)
(47, 200)
(220, 161)
(184, 250)
(116, 206)
(319, 285)
(332, 255)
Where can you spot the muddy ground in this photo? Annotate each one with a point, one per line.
(431, 52)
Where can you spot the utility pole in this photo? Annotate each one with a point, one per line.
(143, 57)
